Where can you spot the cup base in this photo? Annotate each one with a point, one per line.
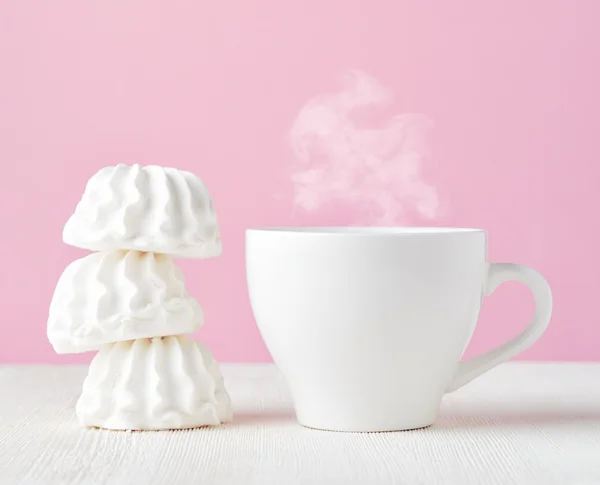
(350, 429)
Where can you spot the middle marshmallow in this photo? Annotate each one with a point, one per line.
(120, 295)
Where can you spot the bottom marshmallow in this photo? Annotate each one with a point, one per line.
(150, 384)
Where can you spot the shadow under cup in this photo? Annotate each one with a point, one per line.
(368, 325)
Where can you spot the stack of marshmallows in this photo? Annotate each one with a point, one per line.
(128, 301)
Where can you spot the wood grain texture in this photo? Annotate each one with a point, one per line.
(522, 423)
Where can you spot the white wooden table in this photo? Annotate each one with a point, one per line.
(521, 424)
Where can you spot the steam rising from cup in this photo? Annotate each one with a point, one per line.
(341, 156)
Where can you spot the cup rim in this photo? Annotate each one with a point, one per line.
(367, 230)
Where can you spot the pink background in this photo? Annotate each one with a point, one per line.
(214, 86)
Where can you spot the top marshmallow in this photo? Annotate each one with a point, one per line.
(145, 208)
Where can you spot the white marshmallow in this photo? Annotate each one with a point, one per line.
(145, 208)
(119, 295)
(151, 384)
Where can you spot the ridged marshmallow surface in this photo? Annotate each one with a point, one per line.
(146, 208)
(119, 295)
(151, 384)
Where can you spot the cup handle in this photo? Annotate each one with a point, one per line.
(499, 273)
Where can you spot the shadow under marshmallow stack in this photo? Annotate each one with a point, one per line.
(128, 301)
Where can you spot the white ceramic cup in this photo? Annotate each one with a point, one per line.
(368, 325)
